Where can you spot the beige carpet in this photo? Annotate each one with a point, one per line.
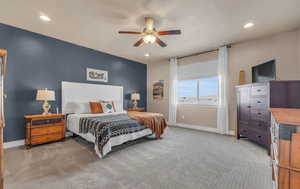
(183, 159)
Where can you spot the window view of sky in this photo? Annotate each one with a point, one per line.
(207, 87)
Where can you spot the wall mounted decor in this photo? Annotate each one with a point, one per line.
(242, 77)
(96, 75)
(158, 90)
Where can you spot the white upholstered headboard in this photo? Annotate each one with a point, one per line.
(76, 96)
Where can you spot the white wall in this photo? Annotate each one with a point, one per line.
(158, 71)
(284, 47)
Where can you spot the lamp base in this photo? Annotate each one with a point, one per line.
(135, 104)
(46, 107)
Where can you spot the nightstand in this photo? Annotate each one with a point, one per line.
(42, 129)
(139, 109)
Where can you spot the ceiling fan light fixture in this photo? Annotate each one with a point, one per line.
(248, 25)
(45, 18)
(149, 38)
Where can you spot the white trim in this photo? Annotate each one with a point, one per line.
(14, 144)
(196, 127)
(199, 128)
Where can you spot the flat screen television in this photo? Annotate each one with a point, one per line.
(264, 72)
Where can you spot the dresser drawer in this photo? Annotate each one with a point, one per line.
(260, 126)
(55, 129)
(286, 178)
(47, 121)
(245, 131)
(37, 131)
(295, 151)
(46, 138)
(262, 115)
(259, 138)
(261, 90)
(259, 103)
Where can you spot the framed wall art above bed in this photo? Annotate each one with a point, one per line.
(96, 75)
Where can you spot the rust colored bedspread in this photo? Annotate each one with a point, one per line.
(154, 121)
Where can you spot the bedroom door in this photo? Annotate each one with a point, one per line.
(3, 55)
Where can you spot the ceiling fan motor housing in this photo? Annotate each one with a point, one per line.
(149, 24)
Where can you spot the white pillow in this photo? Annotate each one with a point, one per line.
(77, 107)
(108, 107)
(118, 106)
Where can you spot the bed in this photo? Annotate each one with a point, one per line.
(105, 130)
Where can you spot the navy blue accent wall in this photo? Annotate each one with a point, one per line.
(36, 62)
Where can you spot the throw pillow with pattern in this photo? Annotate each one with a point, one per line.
(108, 107)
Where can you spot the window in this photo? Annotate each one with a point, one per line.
(203, 91)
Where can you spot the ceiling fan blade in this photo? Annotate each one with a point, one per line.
(160, 42)
(169, 32)
(139, 42)
(129, 32)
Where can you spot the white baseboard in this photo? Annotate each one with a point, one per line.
(199, 128)
(13, 144)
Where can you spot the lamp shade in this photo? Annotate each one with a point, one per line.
(135, 96)
(45, 94)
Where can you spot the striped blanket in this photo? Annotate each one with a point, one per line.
(106, 127)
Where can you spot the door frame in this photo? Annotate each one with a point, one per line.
(3, 56)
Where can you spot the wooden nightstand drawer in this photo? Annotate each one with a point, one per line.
(46, 130)
(39, 131)
(46, 121)
(46, 138)
(55, 129)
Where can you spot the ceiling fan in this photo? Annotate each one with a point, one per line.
(150, 35)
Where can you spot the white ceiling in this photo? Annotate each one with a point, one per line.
(205, 24)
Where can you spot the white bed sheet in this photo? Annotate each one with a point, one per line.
(73, 126)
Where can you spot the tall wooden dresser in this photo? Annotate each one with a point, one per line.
(253, 107)
(253, 114)
(285, 153)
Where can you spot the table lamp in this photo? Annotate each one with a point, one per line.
(45, 95)
(135, 97)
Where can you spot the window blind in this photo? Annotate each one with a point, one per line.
(198, 70)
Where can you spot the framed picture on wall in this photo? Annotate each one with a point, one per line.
(96, 75)
(158, 90)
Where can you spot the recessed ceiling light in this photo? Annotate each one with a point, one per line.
(45, 18)
(249, 25)
(147, 54)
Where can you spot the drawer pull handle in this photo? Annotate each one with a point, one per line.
(258, 136)
(258, 102)
(259, 113)
(258, 90)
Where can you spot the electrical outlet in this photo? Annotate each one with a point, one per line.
(182, 116)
